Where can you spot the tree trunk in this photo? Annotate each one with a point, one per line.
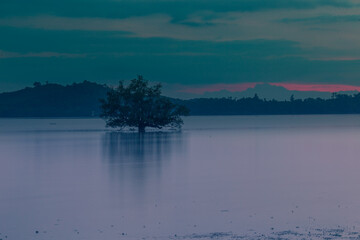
(141, 128)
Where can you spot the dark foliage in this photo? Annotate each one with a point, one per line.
(139, 105)
(338, 104)
(54, 100)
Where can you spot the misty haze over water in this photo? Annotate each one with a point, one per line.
(232, 176)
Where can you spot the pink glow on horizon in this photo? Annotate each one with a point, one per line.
(317, 87)
(237, 87)
(240, 87)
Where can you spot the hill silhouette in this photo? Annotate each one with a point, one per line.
(54, 100)
(82, 100)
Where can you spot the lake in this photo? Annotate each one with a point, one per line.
(223, 177)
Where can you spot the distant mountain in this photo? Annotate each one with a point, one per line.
(269, 92)
(54, 100)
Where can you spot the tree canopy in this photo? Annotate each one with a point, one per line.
(140, 105)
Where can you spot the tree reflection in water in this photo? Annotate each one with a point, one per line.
(136, 161)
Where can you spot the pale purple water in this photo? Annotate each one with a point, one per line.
(72, 179)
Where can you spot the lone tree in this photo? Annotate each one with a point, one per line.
(140, 105)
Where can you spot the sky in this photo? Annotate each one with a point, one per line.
(191, 46)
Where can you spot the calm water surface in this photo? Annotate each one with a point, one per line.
(221, 177)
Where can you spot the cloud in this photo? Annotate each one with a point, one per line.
(109, 57)
(327, 19)
(189, 42)
(5, 54)
(317, 87)
(341, 58)
(177, 9)
(278, 24)
(99, 44)
(84, 24)
(239, 87)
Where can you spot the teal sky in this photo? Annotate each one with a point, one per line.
(182, 43)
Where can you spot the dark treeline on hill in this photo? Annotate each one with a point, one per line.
(82, 100)
(54, 100)
(338, 104)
